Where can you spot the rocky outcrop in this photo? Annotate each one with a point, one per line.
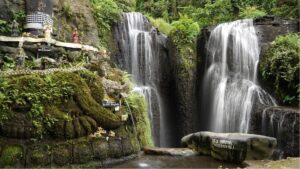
(232, 147)
(282, 123)
(68, 14)
(150, 64)
(184, 84)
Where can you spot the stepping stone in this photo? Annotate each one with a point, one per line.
(231, 147)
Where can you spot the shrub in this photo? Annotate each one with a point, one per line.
(280, 68)
(184, 31)
(211, 13)
(288, 11)
(264, 5)
(161, 24)
(106, 12)
(251, 12)
(4, 27)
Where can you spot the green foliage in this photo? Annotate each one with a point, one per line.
(212, 13)
(10, 155)
(251, 12)
(138, 107)
(265, 4)
(126, 5)
(289, 11)
(106, 13)
(280, 68)
(161, 24)
(66, 10)
(7, 63)
(4, 27)
(33, 92)
(184, 31)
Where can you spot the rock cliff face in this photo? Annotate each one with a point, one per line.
(68, 14)
(282, 123)
(172, 119)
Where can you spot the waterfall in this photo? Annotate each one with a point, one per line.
(140, 58)
(230, 81)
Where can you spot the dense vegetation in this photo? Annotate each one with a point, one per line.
(280, 68)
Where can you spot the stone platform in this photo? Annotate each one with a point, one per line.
(50, 41)
(232, 147)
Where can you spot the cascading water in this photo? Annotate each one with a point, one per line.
(141, 60)
(230, 79)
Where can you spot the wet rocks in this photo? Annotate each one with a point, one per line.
(168, 151)
(232, 147)
(282, 123)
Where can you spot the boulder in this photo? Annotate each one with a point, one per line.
(231, 147)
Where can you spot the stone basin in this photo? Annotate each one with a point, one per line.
(231, 147)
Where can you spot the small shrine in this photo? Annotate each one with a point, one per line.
(38, 16)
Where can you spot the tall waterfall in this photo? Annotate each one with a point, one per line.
(230, 81)
(141, 59)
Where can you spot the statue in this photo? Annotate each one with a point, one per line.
(14, 28)
(47, 32)
(20, 59)
(75, 36)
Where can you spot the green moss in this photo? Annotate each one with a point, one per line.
(53, 100)
(138, 106)
(95, 84)
(78, 128)
(69, 130)
(10, 155)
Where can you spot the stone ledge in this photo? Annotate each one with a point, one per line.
(65, 153)
(232, 147)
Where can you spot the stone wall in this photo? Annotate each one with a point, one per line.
(91, 152)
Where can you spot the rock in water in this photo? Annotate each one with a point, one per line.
(232, 147)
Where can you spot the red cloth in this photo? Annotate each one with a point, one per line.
(75, 37)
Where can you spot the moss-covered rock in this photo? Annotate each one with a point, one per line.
(12, 156)
(82, 152)
(62, 154)
(38, 156)
(100, 148)
(138, 107)
(48, 104)
(115, 148)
